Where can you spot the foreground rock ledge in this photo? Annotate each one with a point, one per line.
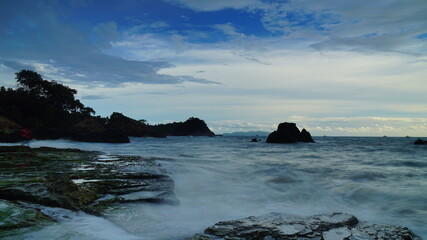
(275, 226)
(75, 180)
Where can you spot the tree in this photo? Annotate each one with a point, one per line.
(56, 95)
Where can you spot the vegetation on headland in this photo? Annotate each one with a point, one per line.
(51, 111)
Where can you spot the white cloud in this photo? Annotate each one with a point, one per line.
(228, 29)
(365, 25)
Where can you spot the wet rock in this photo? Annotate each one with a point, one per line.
(275, 226)
(420, 142)
(289, 133)
(75, 179)
(16, 219)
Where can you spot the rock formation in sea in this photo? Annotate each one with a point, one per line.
(420, 142)
(130, 127)
(192, 127)
(75, 180)
(289, 133)
(276, 226)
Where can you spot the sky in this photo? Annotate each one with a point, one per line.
(334, 67)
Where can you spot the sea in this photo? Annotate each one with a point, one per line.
(377, 179)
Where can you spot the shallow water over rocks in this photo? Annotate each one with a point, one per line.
(379, 180)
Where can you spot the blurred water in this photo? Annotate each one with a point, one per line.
(382, 180)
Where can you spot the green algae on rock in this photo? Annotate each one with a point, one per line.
(16, 219)
(77, 180)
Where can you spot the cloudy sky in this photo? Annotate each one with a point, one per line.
(334, 67)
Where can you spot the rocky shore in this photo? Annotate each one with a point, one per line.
(73, 179)
(99, 184)
(275, 226)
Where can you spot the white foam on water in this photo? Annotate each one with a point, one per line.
(227, 178)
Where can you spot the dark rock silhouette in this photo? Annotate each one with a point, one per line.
(12, 137)
(420, 142)
(50, 110)
(284, 226)
(289, 133)
(107, 136)
(130, 127)
(192, 127)
(254, 140)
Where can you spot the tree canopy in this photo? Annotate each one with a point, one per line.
(40, 103)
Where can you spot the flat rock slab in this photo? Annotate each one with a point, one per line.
(275, 226)
(76, 180)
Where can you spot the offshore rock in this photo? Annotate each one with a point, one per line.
(289, 133)
(192, 127)
(275, 226)
(420, 142)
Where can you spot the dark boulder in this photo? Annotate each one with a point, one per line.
(289, 133)
(81, 135)
(420, 142)
(107, 136)
(12, 137)
(50, 133)
(90, 124)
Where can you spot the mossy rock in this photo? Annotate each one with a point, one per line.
(8, 126)
(16, 219)
(80, 180)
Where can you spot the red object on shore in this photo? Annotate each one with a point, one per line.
(25, 133)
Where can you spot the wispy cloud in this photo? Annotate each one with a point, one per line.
(208, 5)
(30, 40)
(228, 29)
(363, 25)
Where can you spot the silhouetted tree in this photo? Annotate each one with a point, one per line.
(38, 103)
(55, 94)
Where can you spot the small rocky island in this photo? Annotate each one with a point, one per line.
(192, 127)
(73, 179)
(276, 226)
(289, 133)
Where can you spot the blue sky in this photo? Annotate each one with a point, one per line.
(334, 67)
